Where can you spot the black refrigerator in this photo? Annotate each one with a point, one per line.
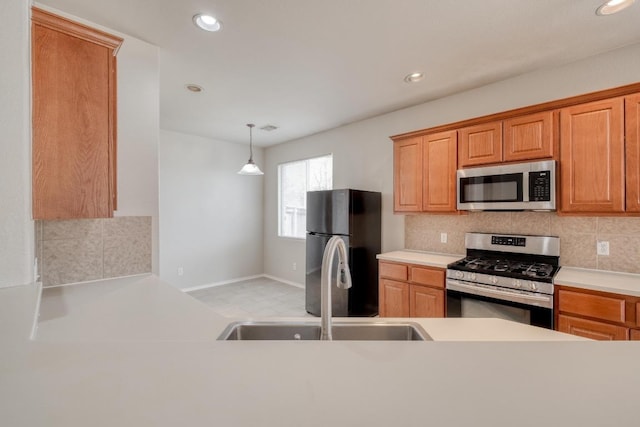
(355, 216)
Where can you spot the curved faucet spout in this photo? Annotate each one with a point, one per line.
(343, 280)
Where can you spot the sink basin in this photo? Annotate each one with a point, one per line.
(347, 331)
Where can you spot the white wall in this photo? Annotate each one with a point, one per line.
(363, 153)
(17, 242)
(138, 128)
(211, 222)
(138, 134)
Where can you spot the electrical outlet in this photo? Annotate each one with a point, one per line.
(294, 266)
(180, 271)
(602, 247)
(443, 237)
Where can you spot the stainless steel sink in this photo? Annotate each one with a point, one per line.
(347, 331)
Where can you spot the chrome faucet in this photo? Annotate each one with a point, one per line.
(343, 281)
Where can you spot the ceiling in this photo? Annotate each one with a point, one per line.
(309, 65)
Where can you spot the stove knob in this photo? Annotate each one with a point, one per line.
(532, 286)
(494, 279)
(516, 283)
(459, 274)
(473, 277)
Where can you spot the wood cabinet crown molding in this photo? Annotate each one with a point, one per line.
(75, 29)
(537, 108)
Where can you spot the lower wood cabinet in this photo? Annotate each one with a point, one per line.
(591, 329)
(408, 290)
(597, 315)
(394, 298)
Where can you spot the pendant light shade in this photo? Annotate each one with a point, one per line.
(250, 168)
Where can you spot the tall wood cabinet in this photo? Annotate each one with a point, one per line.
(74, 119)
(408, 290)
(592, 157)
(632, 150)
(425, 173)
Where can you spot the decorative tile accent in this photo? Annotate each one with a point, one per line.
(88, 249)
(578, 235)
(124, 256)
(72, 229)
(71, 260)
(624, 253)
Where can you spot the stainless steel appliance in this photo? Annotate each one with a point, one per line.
(521, 186)
(355, 216)
(505, 276)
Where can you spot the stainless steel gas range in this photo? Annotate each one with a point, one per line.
(505, 276)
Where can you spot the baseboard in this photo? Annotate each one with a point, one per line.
(288, 282)
(242, 279)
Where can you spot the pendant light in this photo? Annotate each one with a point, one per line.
(250, 168)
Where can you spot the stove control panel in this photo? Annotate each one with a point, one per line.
(508, 241)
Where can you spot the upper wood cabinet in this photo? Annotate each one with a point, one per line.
(480, 144)
(632, 149)
(407, 175)
(521, 138)
(592, 157)
(74, 119)
(439, 157)
(529, 137)
(425, 173)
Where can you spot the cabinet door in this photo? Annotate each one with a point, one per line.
(592, 157)
(591, 329)
(634, 335)
(394, 298)
(439, 156)
(480, 144)
(407, 175)
(529, 137)
(426, 302)
(73, 82)
(632, 123)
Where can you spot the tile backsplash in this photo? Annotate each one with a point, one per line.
(71, 251)
(578, 235)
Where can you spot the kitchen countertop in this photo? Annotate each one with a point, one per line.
(598, 280)
(138, 355)
(430, 259)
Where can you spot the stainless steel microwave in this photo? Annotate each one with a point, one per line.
(512, 187)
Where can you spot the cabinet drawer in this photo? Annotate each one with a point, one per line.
(393, 271)
(634, 335)
(590, 329)
(601, 307)
(638, 313)
(427, 276)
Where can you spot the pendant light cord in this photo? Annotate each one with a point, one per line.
(251, 142)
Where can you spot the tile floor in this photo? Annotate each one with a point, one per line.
(260, 297)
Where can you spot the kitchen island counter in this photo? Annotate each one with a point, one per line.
(151, 378)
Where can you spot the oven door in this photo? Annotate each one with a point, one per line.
(469, 300)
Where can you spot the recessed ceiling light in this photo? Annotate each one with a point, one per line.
(269, 128)
(207, 22)
(194, 88)
(613, 6)
(413, 77)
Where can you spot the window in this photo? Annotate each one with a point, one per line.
(294, 180)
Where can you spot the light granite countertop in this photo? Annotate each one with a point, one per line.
(145, 354)
(599, 280)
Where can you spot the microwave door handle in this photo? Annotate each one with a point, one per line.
(542, 301)
(525, 186)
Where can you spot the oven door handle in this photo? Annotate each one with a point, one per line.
(535, 300)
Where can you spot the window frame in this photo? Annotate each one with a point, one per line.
(279, 190)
